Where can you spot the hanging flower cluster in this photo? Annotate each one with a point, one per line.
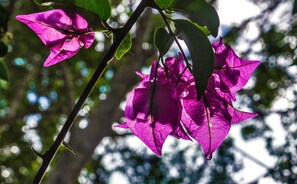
(165, 102)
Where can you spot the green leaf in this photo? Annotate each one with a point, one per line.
(294, 7)
(201, 53)
(3, 71)
(124, 47)
(203, 29)
(163, 3)
(99, 7)
(163, 40)
(200, 12)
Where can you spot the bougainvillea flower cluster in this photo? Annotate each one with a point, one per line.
(63, 32)
(165, 102)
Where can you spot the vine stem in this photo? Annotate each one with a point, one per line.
(121, 33)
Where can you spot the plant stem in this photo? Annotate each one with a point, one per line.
(50, 154)
(165, 18)
(174, 37)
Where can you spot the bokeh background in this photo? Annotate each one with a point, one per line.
(35, 102)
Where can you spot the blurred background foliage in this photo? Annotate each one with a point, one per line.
(35, 101)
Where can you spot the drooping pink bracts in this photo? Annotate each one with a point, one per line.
(63, 32)
(165, 103)
(153, 111)
(231, 72)
(209, 120)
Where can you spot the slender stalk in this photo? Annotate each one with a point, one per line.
(180, 76)
(50, 154)
(165, 18)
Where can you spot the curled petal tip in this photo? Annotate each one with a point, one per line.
(208, 156)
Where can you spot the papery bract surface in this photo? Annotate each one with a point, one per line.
(152, 106)
(231, 73)
(153, 121)
(63, 32)
(209, 120)
(153, 110)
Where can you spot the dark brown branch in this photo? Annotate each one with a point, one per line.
(50, 154)
(100, 120)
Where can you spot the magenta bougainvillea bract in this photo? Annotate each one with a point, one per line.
(165, 102)
(63, 32)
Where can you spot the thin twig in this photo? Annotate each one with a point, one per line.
(50, 154)
(250, 157)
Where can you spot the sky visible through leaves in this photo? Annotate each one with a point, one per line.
(77, 39)
(243, 10)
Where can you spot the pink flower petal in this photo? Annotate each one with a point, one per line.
(153, 122)
(123, 125)
(63, 32)
(231, 72)
(209, 120)
(57, 56)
